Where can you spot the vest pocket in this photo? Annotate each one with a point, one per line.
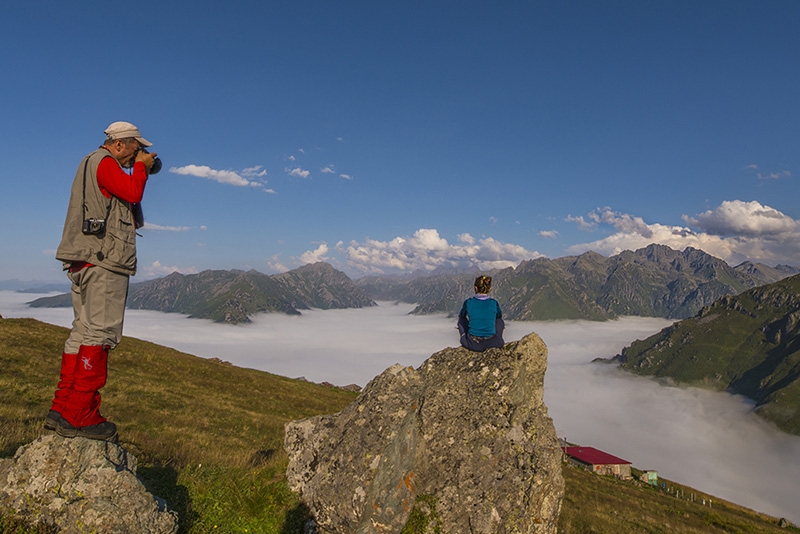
(119, 246)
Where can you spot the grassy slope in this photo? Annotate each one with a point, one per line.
(601, 504)
(208, 437)
(748, 344)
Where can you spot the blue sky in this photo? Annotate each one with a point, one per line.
(393, 137)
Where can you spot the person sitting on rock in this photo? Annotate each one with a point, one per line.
(480, 321)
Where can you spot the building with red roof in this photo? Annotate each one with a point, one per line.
(598, 461)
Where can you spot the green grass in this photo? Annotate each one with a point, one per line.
(209, 439)
(602, 504)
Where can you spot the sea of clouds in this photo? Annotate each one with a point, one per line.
(711, 441)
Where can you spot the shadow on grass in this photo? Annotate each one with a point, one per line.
(296, 518)
(163, 482)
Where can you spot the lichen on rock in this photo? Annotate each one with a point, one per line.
(81, 485)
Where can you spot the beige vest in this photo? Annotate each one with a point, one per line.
(115, 249)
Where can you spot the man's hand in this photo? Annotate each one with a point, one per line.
(146, 158)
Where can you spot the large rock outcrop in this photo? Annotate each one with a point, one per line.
(466, 437)
(79, 485)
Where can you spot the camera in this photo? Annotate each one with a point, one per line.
(156, 163)
(93, 226)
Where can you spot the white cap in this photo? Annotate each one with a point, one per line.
(124, 130)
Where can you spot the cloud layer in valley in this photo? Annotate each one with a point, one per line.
(711, 441)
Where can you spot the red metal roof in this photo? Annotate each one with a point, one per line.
(592, 456)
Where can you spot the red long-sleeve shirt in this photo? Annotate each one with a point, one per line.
(115, 181)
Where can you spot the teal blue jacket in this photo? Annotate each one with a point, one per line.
(479, 315)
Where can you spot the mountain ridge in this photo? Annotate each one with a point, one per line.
(235, 296)
(654, 281)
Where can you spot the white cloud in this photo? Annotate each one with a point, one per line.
(313, 256)
(774, 175)
(227, 177)
(735, 217)
(275, 264)
(735, 231)
(466, 238)
(256, 171)
(151, 226)
(548, 234)
(770, 175)
(583, 224)
(204, 171)
(427, 250)
(328, 169)
(622, 222)
(297, 171)
(156, 270)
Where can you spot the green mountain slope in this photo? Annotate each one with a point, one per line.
(748, 344)
(208, 437)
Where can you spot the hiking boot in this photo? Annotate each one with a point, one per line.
(106, 431)
(64, 428)
(53, 419)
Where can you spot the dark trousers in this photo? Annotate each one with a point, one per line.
(480, 344)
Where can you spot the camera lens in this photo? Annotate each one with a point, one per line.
(156, 166)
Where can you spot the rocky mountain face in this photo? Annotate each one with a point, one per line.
(234, 296)
(464, 443)
(747, 344)
(765, 273)
(654, 281)
(79, 485)
(320, 286)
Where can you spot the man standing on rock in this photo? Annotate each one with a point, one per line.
(98, 251)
